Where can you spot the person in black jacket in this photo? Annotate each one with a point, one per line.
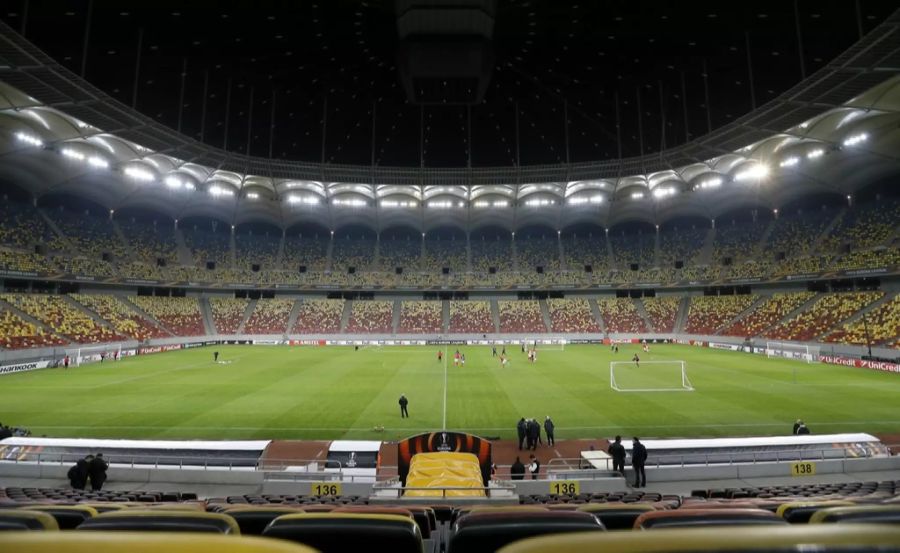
(517, 470)
(797, 426)
(534, 467)
(802, 429)
(617, 452)
(78, 474)
(97, 471)
(548, 428)
(638, 459)
(533, 429)
(403, 403)
(520, 430)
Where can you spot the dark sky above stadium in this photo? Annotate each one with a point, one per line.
(339, 58)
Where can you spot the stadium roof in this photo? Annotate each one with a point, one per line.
(833, 132)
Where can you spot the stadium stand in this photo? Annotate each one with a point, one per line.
(490, 252)
(21, 226)
(521, 316)
(89, 234)
(707, 314)
(124, 319)
(82, 266)
(270, 316)
(880, 326)
(26, 262)
(181, 316)
(864, 226)
(822, 315)
(208, 246)
(358, 253)
(256, 249)
(631, 249)
(306, 251)
(16, 333)
(471, 317)
(866, 259)
(538, 251)
(738, 241)
(371, 317)
(767, 313)
(680, 245)
(582, 251)
(399, 252)
(662, 312)
(150, 241)
(63, 318)
(620, 315)
(572, 315)
(445, 253)
(794, 235)
(421, 317)
(227, 313)
(319, 317)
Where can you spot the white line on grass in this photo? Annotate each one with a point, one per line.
(444, 425)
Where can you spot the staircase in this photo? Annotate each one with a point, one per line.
(656, 251)
(545, 314)
(790, 315)
(495, 315)
(468, 254)
(445, 316)
(639, 307)
(292, 318)
(118, 231)
(232, 251)
(827, 231)
(609, 252)
(753, 307)
(595, 310)
(858, 315)
(94, 316)
(376, 255)
(53, 226)
(706, 250)
(183, 252)
(279, 256)
(251, 306)
(395, 316)
(514, 250)
(760, 248)
(345, 316)
(208, 324)
(562, 255)
(147, 316)
(28, 318)
(328, 254)
(681, 317)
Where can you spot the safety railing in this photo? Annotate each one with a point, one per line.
(383, 488)
(149, 460)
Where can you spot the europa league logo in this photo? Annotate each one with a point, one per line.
(444, 445)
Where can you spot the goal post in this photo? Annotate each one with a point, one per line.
(799, 352)
(546, 344)
(93, 354)
(649, 376)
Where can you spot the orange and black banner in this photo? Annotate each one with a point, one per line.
(433, 442)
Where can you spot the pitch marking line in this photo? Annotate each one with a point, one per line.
(444, 424)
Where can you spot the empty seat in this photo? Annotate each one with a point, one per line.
(21, 519)
(142, 542)
(705, 517)
(162, 521)
(616, 516)
(253, 519)
(486, 532)
(67, 516)
(799, 512)
(820, 538)
(859, 513)
(341, 532)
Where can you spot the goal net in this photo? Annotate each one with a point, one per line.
(545, 344)
(649, 376)
(800, 352)
(93, 354)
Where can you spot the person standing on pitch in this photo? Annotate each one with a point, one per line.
(617, 452)
(638, 459)
(520, 430)
(215, 357)
(403, 403)
(548, 428)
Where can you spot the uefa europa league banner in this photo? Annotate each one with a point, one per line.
(433, 442)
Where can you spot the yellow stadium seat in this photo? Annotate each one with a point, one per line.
(142, 542)
(162, 521)
(67, 516)
(869, 514)
(23, 519)
(863, 537)
(801, 511)
(347, 532)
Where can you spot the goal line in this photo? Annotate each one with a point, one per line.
(649, 376)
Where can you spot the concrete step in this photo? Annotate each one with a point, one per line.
(595, 310)
(292, 318)
(251, 306)
(209, 325)
(147, 316)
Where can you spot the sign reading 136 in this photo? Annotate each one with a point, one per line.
(326, 488)
(565, 487)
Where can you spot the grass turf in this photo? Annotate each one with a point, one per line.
(336, 392)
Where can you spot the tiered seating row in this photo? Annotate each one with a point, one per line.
(421, 317)
(572, 315)
(708, 313)
(471, 317)
(620, 315)
(179, 315)
(319, 317)
(269, 317)
(227, 313)
(822, 315)
(662, 312)
(371, 317)
(521, 316)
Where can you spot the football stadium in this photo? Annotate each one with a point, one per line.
(449, 276)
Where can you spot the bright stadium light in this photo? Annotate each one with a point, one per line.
(29, 139)
(855, 139)
(139, 174)
(755, 172)
(712, 182)
(98, 162)
(539, 202)
(817, 153)
(305, 200)
(637, 195)
(790, 162)
(217, 191)
(441, 204)
(349, 202)
(73, 154)
(581, 200)
(173, 182)
(189, 186)
(663, 192)
(252, 195)
(399, 203)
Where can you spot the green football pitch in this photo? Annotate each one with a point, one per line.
(336, 392)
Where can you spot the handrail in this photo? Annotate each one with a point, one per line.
(500, 486)
(143, 460)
